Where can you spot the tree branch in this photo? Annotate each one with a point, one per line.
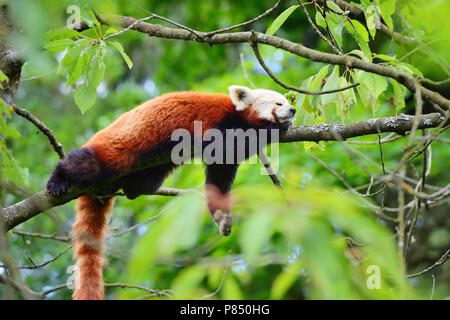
(289, 87)
(156, 30)
(42, 127)
(441, 261)
(327, 132)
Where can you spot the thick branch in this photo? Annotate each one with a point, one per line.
(159, 31)
(42, 201)
(330, 132)
(10, 63)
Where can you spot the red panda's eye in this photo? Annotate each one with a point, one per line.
(278, 104)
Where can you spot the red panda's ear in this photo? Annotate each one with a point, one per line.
(241, 97)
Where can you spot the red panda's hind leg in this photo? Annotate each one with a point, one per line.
(145, 181)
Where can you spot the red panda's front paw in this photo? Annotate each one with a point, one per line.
(224, 221)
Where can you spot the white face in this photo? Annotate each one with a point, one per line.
(270, 105)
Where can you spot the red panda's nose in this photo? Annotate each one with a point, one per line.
(292, 110)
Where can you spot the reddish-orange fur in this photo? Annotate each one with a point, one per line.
(154, 121)
(89, 234)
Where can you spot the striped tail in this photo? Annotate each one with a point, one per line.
(89, 233)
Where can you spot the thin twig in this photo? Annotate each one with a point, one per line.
(316, 30)
(153, 15)
(273, 176)
(441, 261)
(244, 70)
(42, 127)
(389, 138)
(153, 292)
(375, 208)
(43, 236)
(134, 227)
(129, 27)
(36, 266)
(243, 24)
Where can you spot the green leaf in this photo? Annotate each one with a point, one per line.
(111, 31)
(320, 20)
(96, 70)
(335, 24)
(317, 81)
(387, 8)
(187, 281)
(333, 6)
(364, 47)
(284, 281)
(86, 93)
(80, 66)
(409, 69)
(331, 84)
(4, 108)
(360, 38)
(374, 83)
(231, 290)
(11, 170)
(89, 17)
(177, 228)
(258, 229)
(350, 93)
(278, 22)
(3, 77)
(302, 99)
(119, 48)
(5, 130)
(385, 57)
(372, 19)
(85, 97)
(359, 28)
(10, 132)
(310, 146)
(74, 51)
(337, 33)
(58, 45)
(364, 96)
(360, 54)
(346, 98)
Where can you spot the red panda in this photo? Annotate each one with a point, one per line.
(139, 135)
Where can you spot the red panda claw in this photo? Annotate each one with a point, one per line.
(224, 221)
(57, 188)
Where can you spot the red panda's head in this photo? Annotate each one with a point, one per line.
(265, 104)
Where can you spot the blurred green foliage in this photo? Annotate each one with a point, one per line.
(289, 245)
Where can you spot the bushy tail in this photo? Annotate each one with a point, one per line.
(89, 233)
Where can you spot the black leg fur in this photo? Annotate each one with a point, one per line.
(221, 175)
(145, 181)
